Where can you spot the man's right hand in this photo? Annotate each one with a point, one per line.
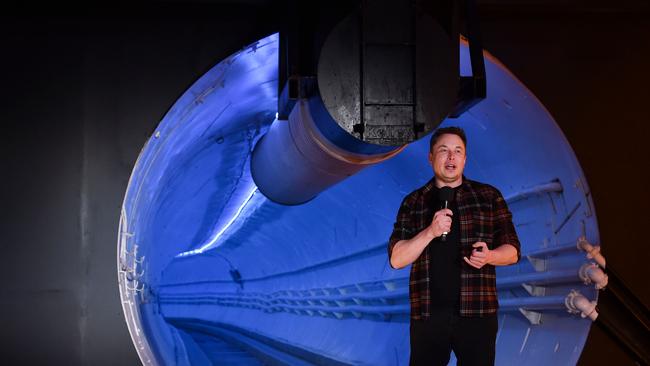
(441, 222)
(407, 251)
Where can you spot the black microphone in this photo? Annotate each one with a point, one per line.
(445, 194)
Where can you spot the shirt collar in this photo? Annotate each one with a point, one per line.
(431, 184)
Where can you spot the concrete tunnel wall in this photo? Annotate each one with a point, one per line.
(194, 214)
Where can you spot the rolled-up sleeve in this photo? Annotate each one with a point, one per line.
(504, 229)
(403, 227)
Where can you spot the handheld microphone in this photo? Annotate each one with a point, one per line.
(445, 194)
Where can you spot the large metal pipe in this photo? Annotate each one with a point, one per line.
(358, 92)
(294, 161)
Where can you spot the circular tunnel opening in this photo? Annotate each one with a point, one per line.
(213, 272)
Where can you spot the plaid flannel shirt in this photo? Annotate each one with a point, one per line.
(484, 216)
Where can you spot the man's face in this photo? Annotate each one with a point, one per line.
(448, 158)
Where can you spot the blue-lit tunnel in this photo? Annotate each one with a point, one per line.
(211, 271)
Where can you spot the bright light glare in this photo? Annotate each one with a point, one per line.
(210, 244)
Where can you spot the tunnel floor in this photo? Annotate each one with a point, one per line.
(222, 352)
(224, 344)
(218, 349)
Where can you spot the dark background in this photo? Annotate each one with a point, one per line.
(82, 89)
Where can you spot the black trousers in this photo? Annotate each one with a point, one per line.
(472, 339)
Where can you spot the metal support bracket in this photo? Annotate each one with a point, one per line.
(534, 317)
(538, 263)
(534, 290)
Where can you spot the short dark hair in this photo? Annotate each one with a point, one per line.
(447, 130)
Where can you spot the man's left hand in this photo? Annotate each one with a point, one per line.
(479, 257)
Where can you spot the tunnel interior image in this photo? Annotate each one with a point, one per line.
(211, 271)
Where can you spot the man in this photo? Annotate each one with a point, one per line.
(452, 283)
